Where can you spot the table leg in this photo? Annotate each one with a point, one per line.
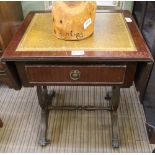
(44, 99)
(114, 118)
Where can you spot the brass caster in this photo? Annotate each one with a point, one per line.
(44, 142)
(108, 96)
(115, 143)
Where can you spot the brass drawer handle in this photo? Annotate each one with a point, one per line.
(75, 74)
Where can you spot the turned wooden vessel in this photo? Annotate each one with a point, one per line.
(73, 20)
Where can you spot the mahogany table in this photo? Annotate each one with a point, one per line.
(115, 55)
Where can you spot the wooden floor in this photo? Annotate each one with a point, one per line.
(71, 131)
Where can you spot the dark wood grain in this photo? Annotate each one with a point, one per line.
(1, 123)
(11, 17)
(56, 74)
(61, 74)
(2, 67)
(5, 80)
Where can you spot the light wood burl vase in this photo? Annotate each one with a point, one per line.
(73, 20)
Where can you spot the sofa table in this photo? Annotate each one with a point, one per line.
(115, 55)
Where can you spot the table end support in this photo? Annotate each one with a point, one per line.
(44, 99)
(114, 117)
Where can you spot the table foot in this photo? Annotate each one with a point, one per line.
(108, 96)
(115, 143)
(44, 142)
(44, 99)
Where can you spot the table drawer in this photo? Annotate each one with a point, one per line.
(105, 74)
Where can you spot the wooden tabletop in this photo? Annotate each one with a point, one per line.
(116, 37)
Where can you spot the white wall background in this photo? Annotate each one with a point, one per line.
(43, 5)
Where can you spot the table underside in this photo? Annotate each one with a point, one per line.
(110, 34)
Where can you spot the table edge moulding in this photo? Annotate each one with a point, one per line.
(141, 52)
